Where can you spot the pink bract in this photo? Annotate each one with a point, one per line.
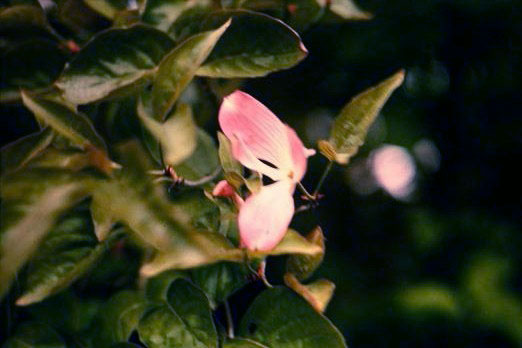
(258, 137)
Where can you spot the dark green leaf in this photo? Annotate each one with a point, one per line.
(302, 266)
(280, 318)
(189, 21)
(65, 254)
(66, 312)
(19, 23)
(34, 335)
(220, 280)
(119, 317)
(114, 61)
(254, 45)
(179, 67)
(17, 154)
(23, 66)
(158, 287)
(73, 126)
(185, 322)
(303, 13)
(350, 127)
(31, 203)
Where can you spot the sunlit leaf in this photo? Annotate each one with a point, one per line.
(292, 243)
(17, 154)
(186, 321)
(254, 45)
(161, 14)
(35, 335)
(220, 280)
(202, 248)
(302, 266)
(179, 67)
(242, 343)
(66, 253)
(31, 203)
(119, 317)
(74, 126)
(318, 293)
(72, 159)
(280, 318)
(107, 8)
(177, 135)
(350, 127)
(113, 62)
(347, 9)
(132, 200)
(204, 160)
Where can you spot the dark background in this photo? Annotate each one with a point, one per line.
(443, 266)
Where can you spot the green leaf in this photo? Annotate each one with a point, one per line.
(302, 266)
(220, 280)
(347, 9)
(66, 253)
(131, 199)
(107, 8)
(119, 317)
(73, 126)
(204, 160)
(22, 15)
(242, 343)
(254, 45)
(179, 67)
(72, 159)
(318, 294)
(350, 127)
(303, 13)
(177, 135)
(185, 322)
(280, 318)
(157, 287)
(31, 203)
(161, 14)
(35, 335)
(114, 62)
(228, 162)
(292, 243)
(16, 155)
(23, 67)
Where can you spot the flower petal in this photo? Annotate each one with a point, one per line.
(264, 217)
(299, 154)
(244, 118)
(224, 189)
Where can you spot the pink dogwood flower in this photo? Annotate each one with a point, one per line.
(262, 143)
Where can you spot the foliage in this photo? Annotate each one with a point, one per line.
(86, 189)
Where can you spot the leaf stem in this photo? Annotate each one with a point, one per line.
(230, 322)
(305, 192)
(323, 177)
